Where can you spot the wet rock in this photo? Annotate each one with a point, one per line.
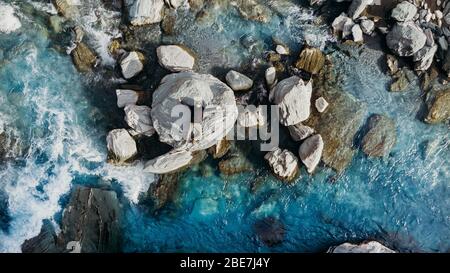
(405, 39)
(311, 60)
(368, 247)
(91, 221)
(121, 146)
(132, 64)
(235, 162)
(424, 57)
(270, 231)
(380, 137)
(143, 12)
(220, 149)
(128, 97)
(299, 131)
(45, 242)
(139, 119)
(311, 151)
(293, 97)
(83, 57)
(252, 10)
(405, 11)
(438, 107)
(238, 81)
(271, 76)
(8, 21)
(175, 58)
(182, 91)
(283, 163)
(169, 162)
(163, 191)
(402, 79)
(357, 7)
(367, 26)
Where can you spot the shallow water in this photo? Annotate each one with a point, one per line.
(60, 118)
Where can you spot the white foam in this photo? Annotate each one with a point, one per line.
(8, 20)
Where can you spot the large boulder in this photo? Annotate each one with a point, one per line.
(175, 58)
(310, 152)
(132, 64)
(139, 119)
(238, 81)
(128, 97)
(438, 107)
(368, 247)
(293, 97)
(183, 94)
(8, 21)
(299, 131)
(45, 242)
(143, 12)
(283, 163)
(83, 57)
(311, 60)
(121, 146)
(405, 39)
(380, 137)
(91, 222)
(357, 7)
(424, 57)
(405, 11)
(169, 162)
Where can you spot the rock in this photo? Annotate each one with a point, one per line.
(163, 191)
(340, 23)
(126, 97)
(392, 64)
(139, 119)
(238, 81)
(367, 26)
(185, 91)
(45, 242)
(293, 98)
(252, 10)
(443, 44)
(8, 21)
(430, 38)
(424, 57)
(270, 231)
(282, 50)
(176, 3)
(169, 162)
(369, 247)
(91, 221)
(271, 76)
(121, 146)
(220, 149)
(311, 60)
(65, 8)
(83, 57)
(143, 12)
(438, 107)
(311, 152)
(402, 79)
(175, 58)
(380, 137)
(405, 39)
(446, 63)
(299, 131)
(357, 7)
(236, 161)
(405, 11)
(321, 104)
(251, 117)
(284, 164)
(357, 34)
(132, 64)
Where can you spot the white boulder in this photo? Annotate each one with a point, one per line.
(143, 12)
(405, 11)
(321, 104)
(282, 50)
(311, 152)
(169, 162)
(132, 64)
(126, 97)
(357, 34)
(121, 146)
(271, 76)
(238, 81)
(284, 164)
(175, 58)
(369, 247)
(139, 119)
(293, 98)
(367, 26)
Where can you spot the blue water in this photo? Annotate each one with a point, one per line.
(60, 119)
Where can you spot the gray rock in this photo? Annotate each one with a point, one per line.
(299, 131)
(405, 11)
(357, 34)
(424, 57)
(175, 58)
(238, 81)
(132, 64)
(284, 164)
(405, 39)
(367, 26)
(121, 146)
(169, 162)
(126, 97)
(357, 7)
(143, 12)
(369, 247)
(311, 152)
(380, 137)
(271, 76)
(139, 119)
(340, 23)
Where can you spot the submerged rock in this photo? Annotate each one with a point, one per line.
(121, 146)
(405, 11)
(187, 91)
(380, 137)
(83, 57)
(299, 131)
(270, 231)
(311, 152)
(91, 221)
(139, 119)
(143, 12)
(293, 98)
(405, 39)
(284, 164)
(311, 60)
(8, 21)
(369, 247)
(438, 107)
(132, 64)
(238, 81)
(175, 58)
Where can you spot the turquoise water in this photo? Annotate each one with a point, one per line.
(59, 119)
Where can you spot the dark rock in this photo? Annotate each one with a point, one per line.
(311, 60)
(236, 162)
(402, 79)
(270, 231)
(380, 137)
(45, 242)
(83, 58)
(163, 191)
